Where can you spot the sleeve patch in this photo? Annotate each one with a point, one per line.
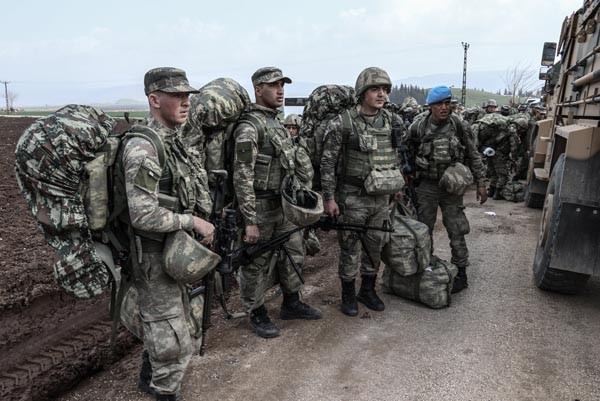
(243, 152)
(148, 175)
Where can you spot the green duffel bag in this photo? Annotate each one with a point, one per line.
(431, 287)
(513, 191)
(408, 250)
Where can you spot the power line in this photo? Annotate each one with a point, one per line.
(6, 94)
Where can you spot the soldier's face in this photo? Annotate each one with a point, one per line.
(375, 97)
(270, 94)
(292, 129)
(171, 109)
(440, 111)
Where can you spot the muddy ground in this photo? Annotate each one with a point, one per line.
(502, 339)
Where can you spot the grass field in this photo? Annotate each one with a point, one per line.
(477, 97)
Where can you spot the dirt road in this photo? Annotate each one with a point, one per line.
(502, 339)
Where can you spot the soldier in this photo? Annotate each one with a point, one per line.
(162, 301)
(521, 125)
(490, 106)
(437, 141)
(496, 132)
(262, 148)
(292, 123)
(358, 148)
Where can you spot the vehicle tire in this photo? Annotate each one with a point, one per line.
(545, 277)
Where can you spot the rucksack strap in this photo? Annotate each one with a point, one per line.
(141, 131)
(347, 128)
(255, 122)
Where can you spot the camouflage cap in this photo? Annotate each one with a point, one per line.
(267, 75)
(167, 79)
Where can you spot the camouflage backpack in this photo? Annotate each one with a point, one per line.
(513, 191)
(492, 129)
(64, 168)
(324, 103)
(213, 115)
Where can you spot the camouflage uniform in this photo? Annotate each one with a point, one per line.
(163, 303)
(423, 137)
(495, 131)
(355, 205)
(260, 204)
(521, 124)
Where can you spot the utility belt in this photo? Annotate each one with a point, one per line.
(433, 174)
(268, 195)
(151, 245)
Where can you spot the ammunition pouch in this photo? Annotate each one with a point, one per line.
(384, 181)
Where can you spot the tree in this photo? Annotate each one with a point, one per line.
(519, 80)
(9, 98)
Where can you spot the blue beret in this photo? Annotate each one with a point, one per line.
(438, 94)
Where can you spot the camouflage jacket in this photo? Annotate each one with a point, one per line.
(142, 173)
(332, 148)
(470, 155)
(246, 139)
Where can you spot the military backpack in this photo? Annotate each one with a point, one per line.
(324, 103)
(65, 168)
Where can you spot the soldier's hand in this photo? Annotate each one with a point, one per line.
(252, 234)
(331, 208)
(399, 196)
(205, 229)
(481, 195)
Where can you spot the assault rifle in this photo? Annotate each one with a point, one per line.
(408, 173)
(224, 221)
(247, 253)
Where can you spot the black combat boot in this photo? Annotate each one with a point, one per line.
(143, 382)
(293, 308)
(460, 281)
(262, 325)
(349, 306)
(491, 191)
(167, 397)
(367, 295)
(498, 195)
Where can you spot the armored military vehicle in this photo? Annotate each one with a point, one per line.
(564, 170)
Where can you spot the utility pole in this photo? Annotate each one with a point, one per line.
(6, 94)
(463, 98)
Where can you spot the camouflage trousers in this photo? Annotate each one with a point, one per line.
(522, 161)
(165, 312)
(365, 210)
(498, 170)
(429, 197)
(269, 269)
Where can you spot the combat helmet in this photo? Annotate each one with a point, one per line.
(372, 76)
(187, 260)
(292, 119)
(505, 110)
(300, 205)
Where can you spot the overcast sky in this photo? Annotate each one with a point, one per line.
(61, 44)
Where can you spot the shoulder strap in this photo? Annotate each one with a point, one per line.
(346, 131)
(258, 125)
(460, 132)
(141, 131)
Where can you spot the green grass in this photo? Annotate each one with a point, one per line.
(476, 97)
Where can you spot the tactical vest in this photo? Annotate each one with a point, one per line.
(438, 150)
(367, 147)
(177, 186)
(276, 154)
